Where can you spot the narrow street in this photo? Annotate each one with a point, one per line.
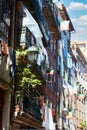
(43, 65)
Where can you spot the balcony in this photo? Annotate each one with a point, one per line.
(31, 108)
(46, 2)
(48, 92)
(24, 36)
(81, 55)
(28, 112)
(4, 34)
(4, 31)
(29, 103)
(81, 79)
(52, 21)
(4, 74)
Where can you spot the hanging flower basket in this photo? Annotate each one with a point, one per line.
(21, 56)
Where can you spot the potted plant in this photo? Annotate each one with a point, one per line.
(84, 125)
(21, 55)
(23, 76)
(27, 77)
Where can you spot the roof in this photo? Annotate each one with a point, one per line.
(80, 53)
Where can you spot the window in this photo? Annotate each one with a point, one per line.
(6, 11)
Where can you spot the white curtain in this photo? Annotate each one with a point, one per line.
(64, 25)
(48, 123)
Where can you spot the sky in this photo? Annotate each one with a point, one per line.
(77, 10)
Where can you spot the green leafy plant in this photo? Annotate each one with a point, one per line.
(84, 124)
(28, 78)
(22, 52)
(24, 78)
(21, 55)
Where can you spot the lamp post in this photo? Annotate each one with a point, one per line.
(33, 54)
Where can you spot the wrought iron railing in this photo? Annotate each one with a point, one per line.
(31, 108)
(4, 30)
(24, 36)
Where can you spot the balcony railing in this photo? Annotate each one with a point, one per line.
(81, 79)
(50, 14)
(45, 2)
(4, 35)
(31, 108)
(53, 8)
(25, 36)
(4, 30)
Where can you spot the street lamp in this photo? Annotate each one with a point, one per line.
(33, 54)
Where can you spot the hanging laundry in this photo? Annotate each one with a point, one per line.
(75, 89)
(4, 48)
(50, 72)
(65, 84)
(64, 25)
(53, 112)
(48, 122)
(41, 101)
(70, 115)
(69, 61)
(81, 96)
(9, 58)
(13, 66)
(43, 114)
(40, 58)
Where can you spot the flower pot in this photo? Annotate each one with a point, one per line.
(19, 57)
(17, 108)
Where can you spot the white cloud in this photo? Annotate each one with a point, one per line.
(74, 20)
(81, 31)
(78, 35)
(84, 18)
(80, 26)
(81, 21)
(77, 6)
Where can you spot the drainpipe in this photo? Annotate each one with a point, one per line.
(11, 44)
(59, 121)
(57, 94)
(12, 24)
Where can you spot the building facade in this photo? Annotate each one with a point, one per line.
(49, 92)
(5, 91)
(81, 81)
